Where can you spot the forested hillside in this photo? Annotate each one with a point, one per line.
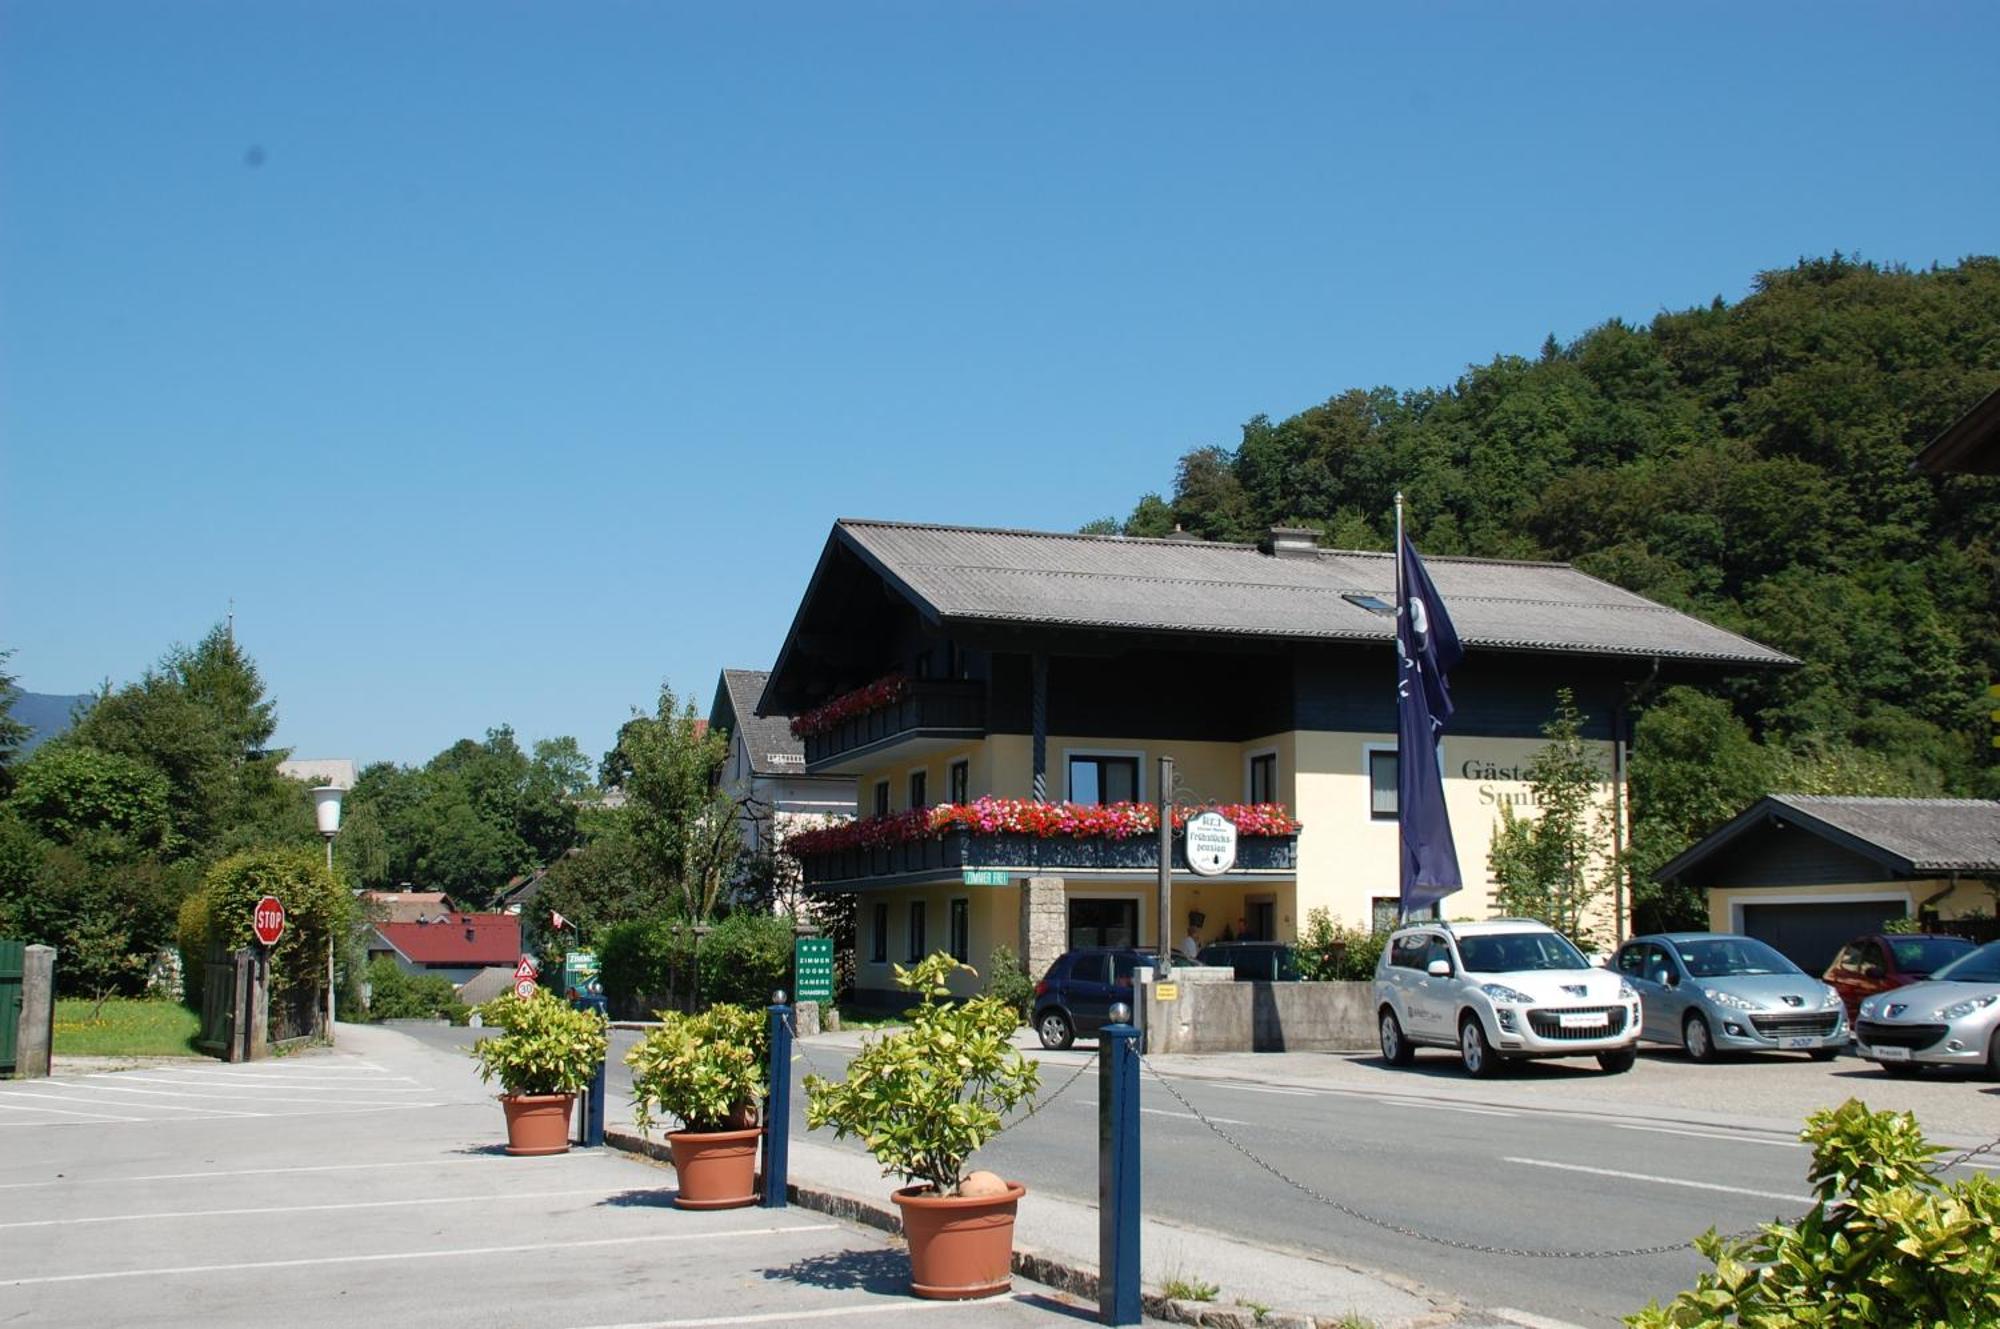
(1749, 462)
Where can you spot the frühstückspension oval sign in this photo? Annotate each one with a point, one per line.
(1211, 844)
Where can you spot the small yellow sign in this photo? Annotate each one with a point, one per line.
(1167, 991)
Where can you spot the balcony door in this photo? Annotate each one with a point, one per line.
(1103, 922)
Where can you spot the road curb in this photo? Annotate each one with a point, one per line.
(1053, 1271)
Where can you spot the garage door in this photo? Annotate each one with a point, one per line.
(1810, 934)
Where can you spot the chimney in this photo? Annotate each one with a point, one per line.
(1292, 542)
(468, 934)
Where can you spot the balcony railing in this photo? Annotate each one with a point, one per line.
(959, 849)
(935, 707)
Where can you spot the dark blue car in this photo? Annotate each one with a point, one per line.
(1075, 996)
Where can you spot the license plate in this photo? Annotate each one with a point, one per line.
(1892, 1054)
(1588, 1020)
(1799, 1043)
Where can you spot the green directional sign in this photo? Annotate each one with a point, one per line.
(812, 969)
(985, 877)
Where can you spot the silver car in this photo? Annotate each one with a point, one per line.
(1951, 1020)
(1712, 992)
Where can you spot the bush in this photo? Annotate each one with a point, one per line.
(709, 1070)
(745, 959)
(316, 906)
(1007, 981)
(1333, 952)
(644, 963)
(1885, 1244)
(547, 1046)
(395, 995)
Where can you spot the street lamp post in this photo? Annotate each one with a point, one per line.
(326, 809)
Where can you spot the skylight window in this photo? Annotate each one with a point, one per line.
(1374, 604)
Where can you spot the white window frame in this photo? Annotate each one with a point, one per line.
(1277, 773)
(1137, 754)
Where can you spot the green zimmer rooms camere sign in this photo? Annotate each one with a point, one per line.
(812, 969)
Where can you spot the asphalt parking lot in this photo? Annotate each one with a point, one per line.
(368, 1186)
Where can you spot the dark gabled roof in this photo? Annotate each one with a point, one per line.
(768, 738)
(1969, 444)
(977, 575)
(1908, 836)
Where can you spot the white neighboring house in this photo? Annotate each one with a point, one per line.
(336, 771)
(765, 771)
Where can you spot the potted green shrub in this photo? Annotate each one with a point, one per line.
(923, 1099)
(545, 1057)
(711, 1071)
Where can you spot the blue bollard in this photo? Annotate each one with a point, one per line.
(1118, 1170)
(778, 1107)
(592, 1136)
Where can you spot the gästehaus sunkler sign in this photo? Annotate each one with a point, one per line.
(1211, 844)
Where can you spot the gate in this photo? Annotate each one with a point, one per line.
(13, 956)
(221, 1003)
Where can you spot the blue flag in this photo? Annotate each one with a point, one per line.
(1426, 649)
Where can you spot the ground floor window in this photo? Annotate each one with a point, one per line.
(1385, 912)
(961, 930)
(878, 945)
(916, 949)
(1103, 923)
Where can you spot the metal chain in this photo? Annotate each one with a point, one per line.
(1965, 1157)
(1036, 1105)
(799, 1046)
(1390, 1225)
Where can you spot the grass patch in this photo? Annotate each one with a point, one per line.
(126, 1027)
(853, 1016)
(1186, 1287)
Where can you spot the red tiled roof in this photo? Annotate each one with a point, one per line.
(460, 940)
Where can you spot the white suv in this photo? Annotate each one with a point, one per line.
(1500, 990)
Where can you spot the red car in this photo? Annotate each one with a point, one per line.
(1868, 965)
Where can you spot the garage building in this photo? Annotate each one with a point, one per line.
(1808, 872)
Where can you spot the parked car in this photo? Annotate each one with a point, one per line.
(1253, 961)
(1712, 992)
(1075, 996)
(1951, 1020)
(1868, 965)
(1500, 990)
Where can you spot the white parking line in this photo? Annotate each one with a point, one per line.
(121, 1103)
(510, 1164)
(1263, 1088)
(1662, 1181)
(1711, 1135)
(1447, 1107)
(502, 1198)
(386, 1256)
(1189, 1116)
(10, 1107)
(234, 1097)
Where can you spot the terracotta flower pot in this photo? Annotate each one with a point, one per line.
(716, 1169)
(537, 1123)
(960, 1246)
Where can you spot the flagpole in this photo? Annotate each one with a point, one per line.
(1402, 608)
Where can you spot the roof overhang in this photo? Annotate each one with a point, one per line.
(1772, 812)
(1970, 444)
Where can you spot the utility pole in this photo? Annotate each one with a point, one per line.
(1165, 959)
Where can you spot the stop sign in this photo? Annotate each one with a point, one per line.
(268, 920)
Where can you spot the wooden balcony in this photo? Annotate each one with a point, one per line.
(932, 712)
(959, 850)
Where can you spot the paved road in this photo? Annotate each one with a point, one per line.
(1529, 1162)
(365, 1187)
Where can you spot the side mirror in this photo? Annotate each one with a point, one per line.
(1673, 980)
(1871, 971)
(1438, 969)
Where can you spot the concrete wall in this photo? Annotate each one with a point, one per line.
(1260, 1017)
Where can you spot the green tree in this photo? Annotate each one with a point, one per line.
(13, 733)
(1557, 866)
(1694, 766)
(70, 792)
(684, 828)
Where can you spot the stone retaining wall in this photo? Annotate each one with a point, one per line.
(1260, 1017)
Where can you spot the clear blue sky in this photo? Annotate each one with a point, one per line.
(502, 361)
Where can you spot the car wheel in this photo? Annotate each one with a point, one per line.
(1824, 1054)
(1396, 1049)
(1619, 1061)
(1473, 1049)
(1697, 1040)
(1055, 1030)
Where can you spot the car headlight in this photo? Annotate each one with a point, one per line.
(1501, 992)
(1868, 1008)
(1960, 1009)
(1729, 999)
(1831, 999)
(1625, 992)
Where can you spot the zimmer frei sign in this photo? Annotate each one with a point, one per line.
(1211, 844)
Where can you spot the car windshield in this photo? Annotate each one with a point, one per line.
(1512, 952)
(1927, 955)
(1730, 957)
(1982, 966)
